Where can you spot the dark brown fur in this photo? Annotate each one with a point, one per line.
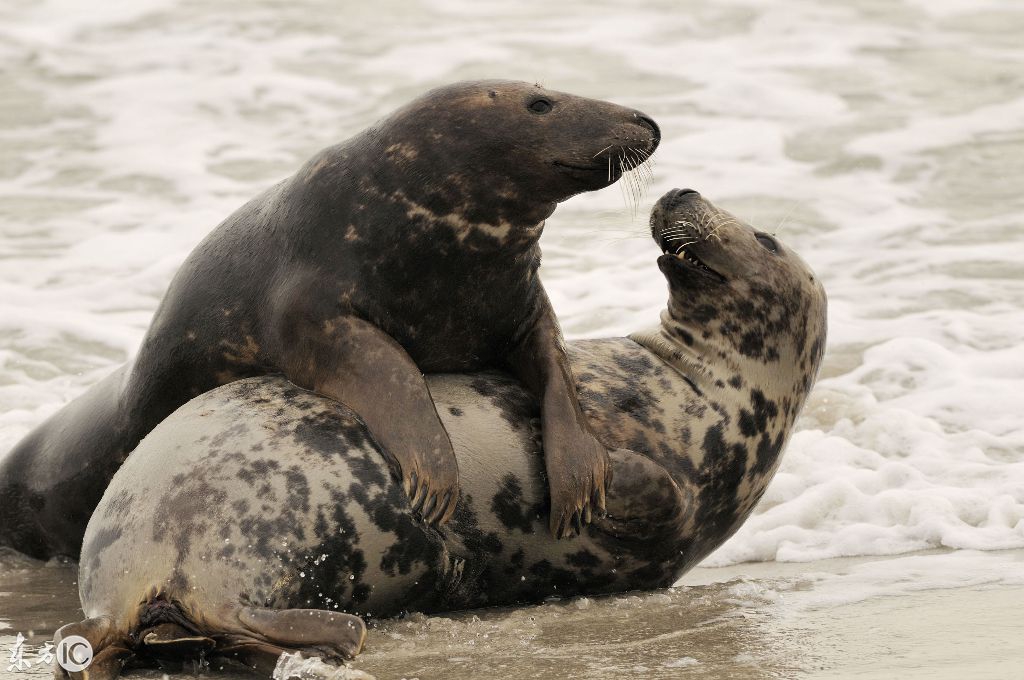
(411, 247)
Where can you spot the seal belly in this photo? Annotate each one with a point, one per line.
(282, 501)
(262, 494)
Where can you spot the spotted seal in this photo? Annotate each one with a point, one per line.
(261, 518)
(412, 247)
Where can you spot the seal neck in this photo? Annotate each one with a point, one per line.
(474, 198)
(682, 349)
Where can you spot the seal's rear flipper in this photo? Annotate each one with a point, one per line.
(260, 656)
(329, 634)
(110, 650)
(172, 640)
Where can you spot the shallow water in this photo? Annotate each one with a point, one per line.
(930, 616)
(883, 140)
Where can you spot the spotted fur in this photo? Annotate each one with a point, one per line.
(285, 502)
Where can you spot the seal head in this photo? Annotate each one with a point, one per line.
(737, 293)
(492, 158)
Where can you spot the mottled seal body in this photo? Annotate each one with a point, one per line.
(411, 247)
(259, 503)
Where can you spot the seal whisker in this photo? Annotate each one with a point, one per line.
(682, 228)
(626, 179)
(785, 218)
(720, 221)
(646, 167)
(716, 224)
(700, 225)
(676, 231)
(634, 187)
(649, 162)
(640, 172)
(611, 240)
(681, 246)
(622, 189)
(711, 224)
(639, 178)
(634, 183)
(622, 184)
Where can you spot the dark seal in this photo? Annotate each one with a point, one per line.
(260, 518)
(410, 248)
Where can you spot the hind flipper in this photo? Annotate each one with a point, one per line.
(107, 665)
(172, 640)
(339, 634)
(109, 647)
(260, 656)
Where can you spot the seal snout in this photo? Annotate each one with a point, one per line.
(666, 213)
(677, 196)
(679, 227)
(634, 141)
(646, 121)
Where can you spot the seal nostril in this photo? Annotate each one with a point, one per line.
(649, 123)
(675, 197)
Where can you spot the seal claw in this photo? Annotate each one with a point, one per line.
(447, 507)
(578, 480)
(420, 493)
(442, 510)
(432, 486)
(430, 507)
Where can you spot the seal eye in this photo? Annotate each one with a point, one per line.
(768, 242)
(540, 105)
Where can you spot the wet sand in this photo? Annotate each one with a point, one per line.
(929, 615)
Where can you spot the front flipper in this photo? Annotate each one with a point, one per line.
(578, 472)
(333, 635)
(356, 363)
(577, 464)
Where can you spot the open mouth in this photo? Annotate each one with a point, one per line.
(681, 249)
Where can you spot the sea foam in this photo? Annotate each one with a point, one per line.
(883, 144)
